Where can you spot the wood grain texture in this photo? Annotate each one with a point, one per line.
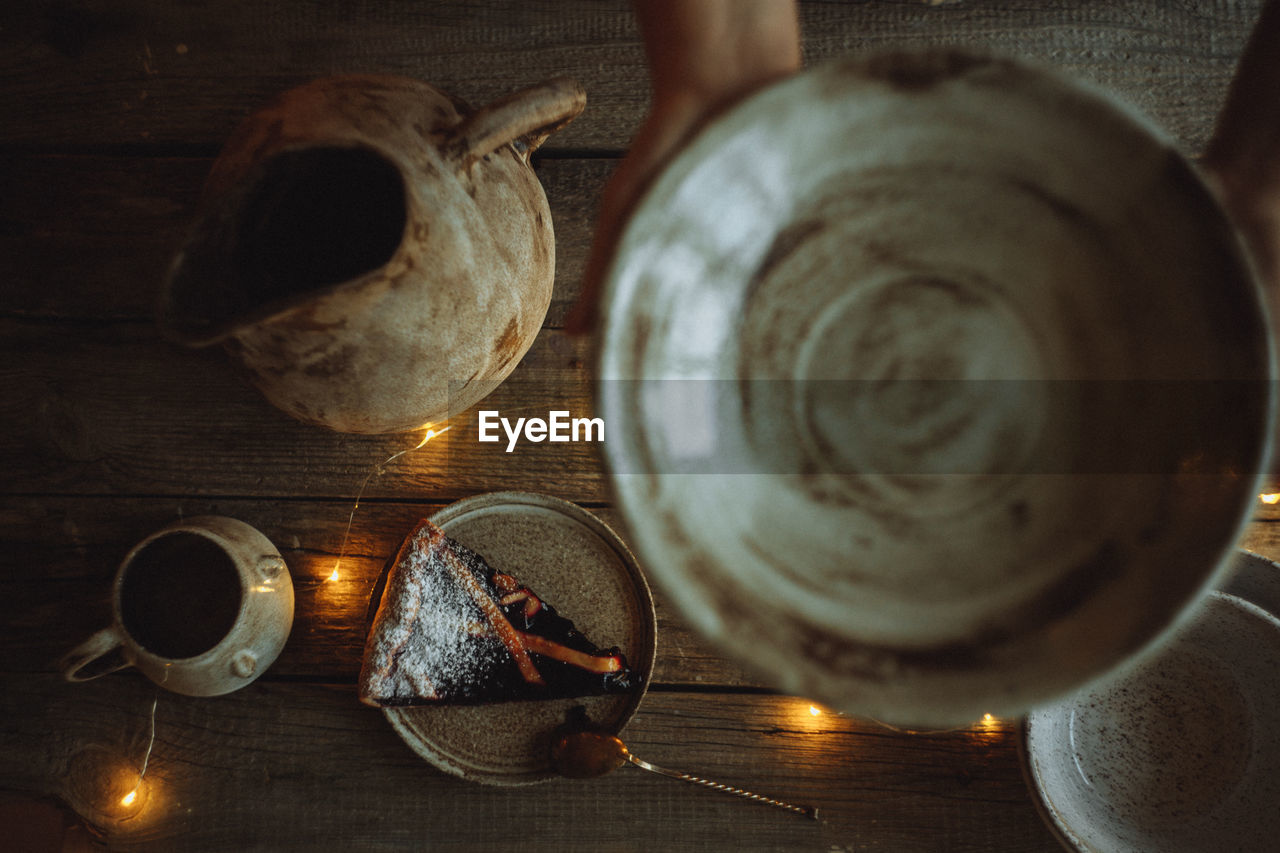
(1262, 537)
(74, 546)
(91, 237)
(300, 767)
(113, 409)
(113, 112)
(91, 73)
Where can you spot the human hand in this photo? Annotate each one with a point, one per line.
(703, 56)
(1243, 158)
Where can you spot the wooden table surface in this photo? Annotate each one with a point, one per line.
(112, 114)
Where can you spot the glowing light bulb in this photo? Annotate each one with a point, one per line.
(987, 718)
(333, 576)
(431, 432)
(813, 709)
(1272, 498)
(129, 798)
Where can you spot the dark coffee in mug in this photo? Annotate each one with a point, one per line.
(180, 595)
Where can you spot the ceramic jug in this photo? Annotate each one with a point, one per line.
(377, 255)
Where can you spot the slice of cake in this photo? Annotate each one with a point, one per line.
(450, 629)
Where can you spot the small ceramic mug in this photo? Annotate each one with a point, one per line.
(201, 607)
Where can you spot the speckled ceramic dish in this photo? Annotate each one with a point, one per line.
(1180, 753)
(1255, 579)
(574, 561)
(937, 385)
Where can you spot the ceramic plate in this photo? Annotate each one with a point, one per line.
(1255, 579)
(1181, 751)
(937, 385)
(580, 566)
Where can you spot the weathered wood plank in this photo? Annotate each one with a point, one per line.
(91, 236)
(1262, 537)
(144, 71)
(61, 554)
(298, 767)
(115, 410)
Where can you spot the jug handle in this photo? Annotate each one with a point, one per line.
(96, 647)
(530, 115)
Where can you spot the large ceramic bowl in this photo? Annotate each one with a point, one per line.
(935, 385)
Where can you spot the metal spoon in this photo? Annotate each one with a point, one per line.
(588, 754)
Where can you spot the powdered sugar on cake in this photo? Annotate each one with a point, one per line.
(415, 659)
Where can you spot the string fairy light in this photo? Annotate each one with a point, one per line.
(132, 797)
(987, 722)
(1271, 498)
(378, 471)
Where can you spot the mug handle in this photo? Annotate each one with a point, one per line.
(97, 646)
(529, 115)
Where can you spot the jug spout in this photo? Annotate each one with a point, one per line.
(300, 224)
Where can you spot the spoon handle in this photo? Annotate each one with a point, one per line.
(807, 811)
